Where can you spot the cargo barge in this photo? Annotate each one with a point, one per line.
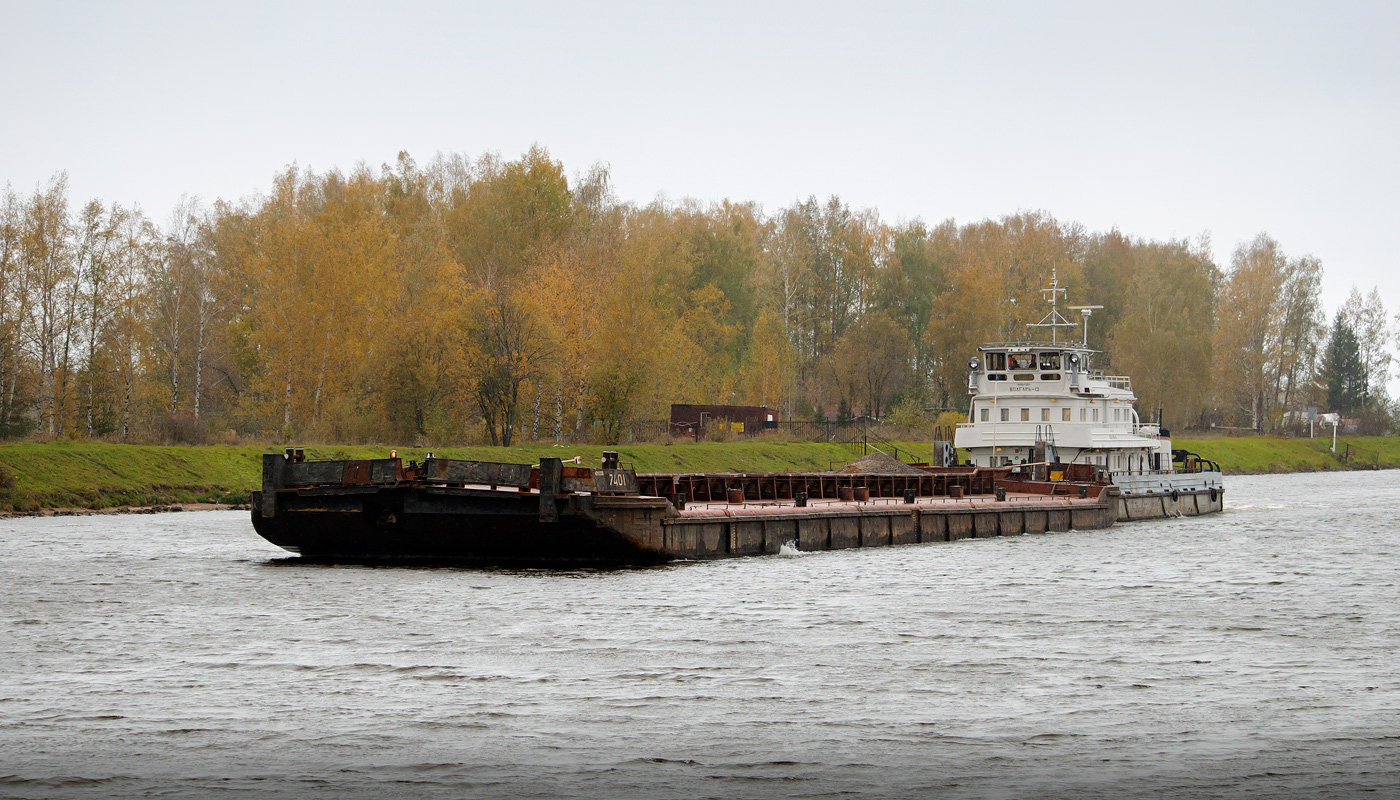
(474, 512)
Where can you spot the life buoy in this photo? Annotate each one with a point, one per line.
(1212, 494)
(1175, 495)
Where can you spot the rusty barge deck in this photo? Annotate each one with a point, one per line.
(550, 514)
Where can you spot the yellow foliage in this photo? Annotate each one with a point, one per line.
(496, 300)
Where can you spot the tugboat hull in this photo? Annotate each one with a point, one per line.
(1173, 495)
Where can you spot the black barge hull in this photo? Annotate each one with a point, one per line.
(442, 525)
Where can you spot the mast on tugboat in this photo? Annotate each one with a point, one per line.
(1053, 320)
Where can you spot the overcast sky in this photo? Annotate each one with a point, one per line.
(1168, 120)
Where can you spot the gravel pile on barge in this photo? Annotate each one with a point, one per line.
(879, 464)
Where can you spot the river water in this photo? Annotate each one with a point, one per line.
(1251, 652)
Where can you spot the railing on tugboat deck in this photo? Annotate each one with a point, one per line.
(1114, 381)
(1195, 465)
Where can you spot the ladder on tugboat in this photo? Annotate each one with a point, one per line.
(1045, 452)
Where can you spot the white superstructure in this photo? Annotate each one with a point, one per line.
(1041, 404)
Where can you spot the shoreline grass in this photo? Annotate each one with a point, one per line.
(1256, 455)
(94, 475)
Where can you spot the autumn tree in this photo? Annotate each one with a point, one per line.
(14, 306)
(124, 340)
(97, 254)
(769, 374)
(909, 285)
(174, 284)
(873, 361)
(1110, 263)
(1163, 335)
(1369, 324)
(507, 215)
(825, 269)
(46, 259)
(1266, 331)
(415, 376)
(640, 354)
(1302, 327)
(513, 346)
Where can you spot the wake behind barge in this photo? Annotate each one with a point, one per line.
(478, 512)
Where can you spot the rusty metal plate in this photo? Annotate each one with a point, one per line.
(356, 473)
(490, 473)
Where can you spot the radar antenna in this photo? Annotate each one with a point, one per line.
(1053, 320)
(1086, 311)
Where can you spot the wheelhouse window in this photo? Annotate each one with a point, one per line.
(996, 361)
(1049, 360)
(1023, 361)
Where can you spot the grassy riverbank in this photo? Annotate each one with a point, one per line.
(1249, 455)
(35, 476)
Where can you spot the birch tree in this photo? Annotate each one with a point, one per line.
(14, 303)
(1366, 316)
(99, 244)
(46, 257)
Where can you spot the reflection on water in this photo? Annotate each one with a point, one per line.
(1249, 652)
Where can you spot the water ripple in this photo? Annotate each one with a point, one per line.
(1250, 653)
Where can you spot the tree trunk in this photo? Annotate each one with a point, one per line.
(175, 375)
(49, 383)
(91, 379)
(508, 418)
(126, 399)
(535, 426)
(92, 349)
(199, 361)
(70, 313)
(320, 382)
(321, 375)
(287, 402)
(582, 392)
(10, 396)
(559, 413)
(63, 382)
